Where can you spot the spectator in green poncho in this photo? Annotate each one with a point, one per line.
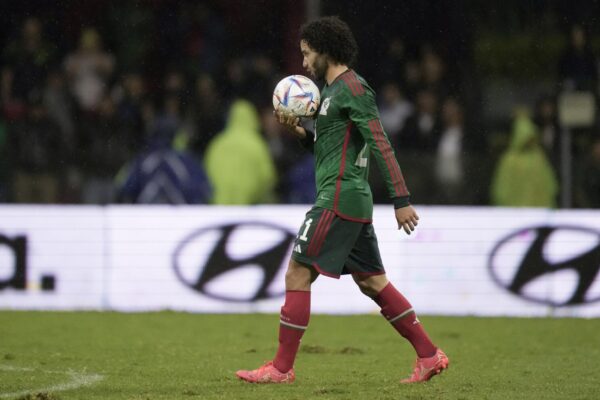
(238, 162)
(524, 176)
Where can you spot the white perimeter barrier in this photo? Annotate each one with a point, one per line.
(460, 261)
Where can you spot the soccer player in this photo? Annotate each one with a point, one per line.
(337, 235)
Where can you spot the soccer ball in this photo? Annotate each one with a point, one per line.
(296, 95)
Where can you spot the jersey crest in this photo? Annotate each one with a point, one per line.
(325, 106)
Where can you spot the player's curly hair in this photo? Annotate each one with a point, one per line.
(331, 36)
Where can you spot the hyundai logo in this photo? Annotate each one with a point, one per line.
(236, 262)
(553, 265)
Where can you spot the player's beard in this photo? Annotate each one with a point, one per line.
(320, 67)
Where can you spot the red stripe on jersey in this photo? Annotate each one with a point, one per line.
(354, 84)
(386, 151)
(388, 155)
(338, 183)
(360, 89)
(330, 216)
(399, 185)
(340, 76)
(391, 160)
(373, 127)
(350, 84)
(352, 81)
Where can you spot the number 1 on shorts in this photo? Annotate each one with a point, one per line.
(303, 237)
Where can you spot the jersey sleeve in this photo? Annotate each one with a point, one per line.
(362, 111)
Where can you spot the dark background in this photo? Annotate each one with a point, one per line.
(496, 56)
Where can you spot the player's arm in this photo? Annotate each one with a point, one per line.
(292, 124)
(363, 113)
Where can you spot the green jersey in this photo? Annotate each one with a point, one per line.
(347, 132)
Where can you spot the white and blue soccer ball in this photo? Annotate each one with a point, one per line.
(296, 95)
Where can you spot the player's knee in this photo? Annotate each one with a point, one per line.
(372, 285)
(297, 277)
(366, 288)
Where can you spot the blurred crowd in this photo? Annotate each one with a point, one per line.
(95, 124)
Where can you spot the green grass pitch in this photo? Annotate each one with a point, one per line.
(75, 355)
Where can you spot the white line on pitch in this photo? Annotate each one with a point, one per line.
(77, 380)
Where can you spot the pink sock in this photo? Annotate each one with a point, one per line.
(295, 314)
(398, 311)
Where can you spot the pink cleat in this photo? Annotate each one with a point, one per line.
(267, 374)
(426, 368)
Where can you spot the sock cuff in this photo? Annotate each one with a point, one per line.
(292, 326)
(394, 305)
(401, 315)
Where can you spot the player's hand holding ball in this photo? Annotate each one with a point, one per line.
(295, 96)
(290, 121)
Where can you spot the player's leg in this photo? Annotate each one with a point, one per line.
(299, 276)
(322, 246)
(397, 310)
(294, 317)
(367, 270)
(400, 313)
(295, 313)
